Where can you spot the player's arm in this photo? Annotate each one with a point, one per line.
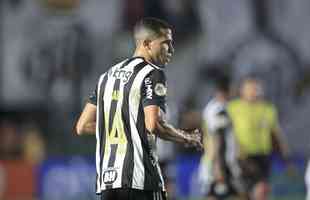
(278, 137)
(156, 124)
(217, 123)
(280, 142)
(154, 103)
(86, 123)
(219, 154)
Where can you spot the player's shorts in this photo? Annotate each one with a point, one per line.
(132, 194)
(255, 169)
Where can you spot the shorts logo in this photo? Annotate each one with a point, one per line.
(160, 89)
(109, 176)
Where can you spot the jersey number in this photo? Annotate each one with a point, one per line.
(117, 134)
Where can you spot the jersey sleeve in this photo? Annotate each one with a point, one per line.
(93, 97)
(154, 90)
(217, 121)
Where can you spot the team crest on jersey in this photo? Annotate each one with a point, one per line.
(109, 176)
(160, 89)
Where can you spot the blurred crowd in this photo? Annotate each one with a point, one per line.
(21, 142)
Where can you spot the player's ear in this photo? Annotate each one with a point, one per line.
(147, 44)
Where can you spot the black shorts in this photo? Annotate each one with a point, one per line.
(132, 194)
(255, 169)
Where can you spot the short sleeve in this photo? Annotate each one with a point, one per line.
(93, 97)
(154, 89)
(217, 120)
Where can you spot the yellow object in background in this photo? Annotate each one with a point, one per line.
(253, 124)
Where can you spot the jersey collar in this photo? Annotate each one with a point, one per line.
(155, 66)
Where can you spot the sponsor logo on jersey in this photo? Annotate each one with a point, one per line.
(160, 89)
(149, 90)
(109, 176)
(122, 74)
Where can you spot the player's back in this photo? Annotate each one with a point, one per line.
(123, 150)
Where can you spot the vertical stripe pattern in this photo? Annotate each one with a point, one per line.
(99, 137)
(134, 103)
(122, 158)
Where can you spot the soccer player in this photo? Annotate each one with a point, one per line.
(219, 172)
(307, 181)
(256, 128)
(127, 114)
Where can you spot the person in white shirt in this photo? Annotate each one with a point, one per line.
(219, 172)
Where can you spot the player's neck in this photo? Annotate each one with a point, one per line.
(143, 54)
(146, 56)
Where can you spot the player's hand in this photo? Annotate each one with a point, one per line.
(193, 139)
(219, 173)
(219, 177)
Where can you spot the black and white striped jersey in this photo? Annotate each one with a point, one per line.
(125, 151)
(218, 122)
(216, 117)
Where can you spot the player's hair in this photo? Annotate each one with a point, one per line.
(251, 78)
(222, 83)
(149, 28)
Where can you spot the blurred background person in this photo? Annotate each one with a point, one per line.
(307, 181)
(10, 139)
(33, 144)
(219, 172)
(257, 131)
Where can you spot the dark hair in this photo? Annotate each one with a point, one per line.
(222, 83)
(152, 25)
